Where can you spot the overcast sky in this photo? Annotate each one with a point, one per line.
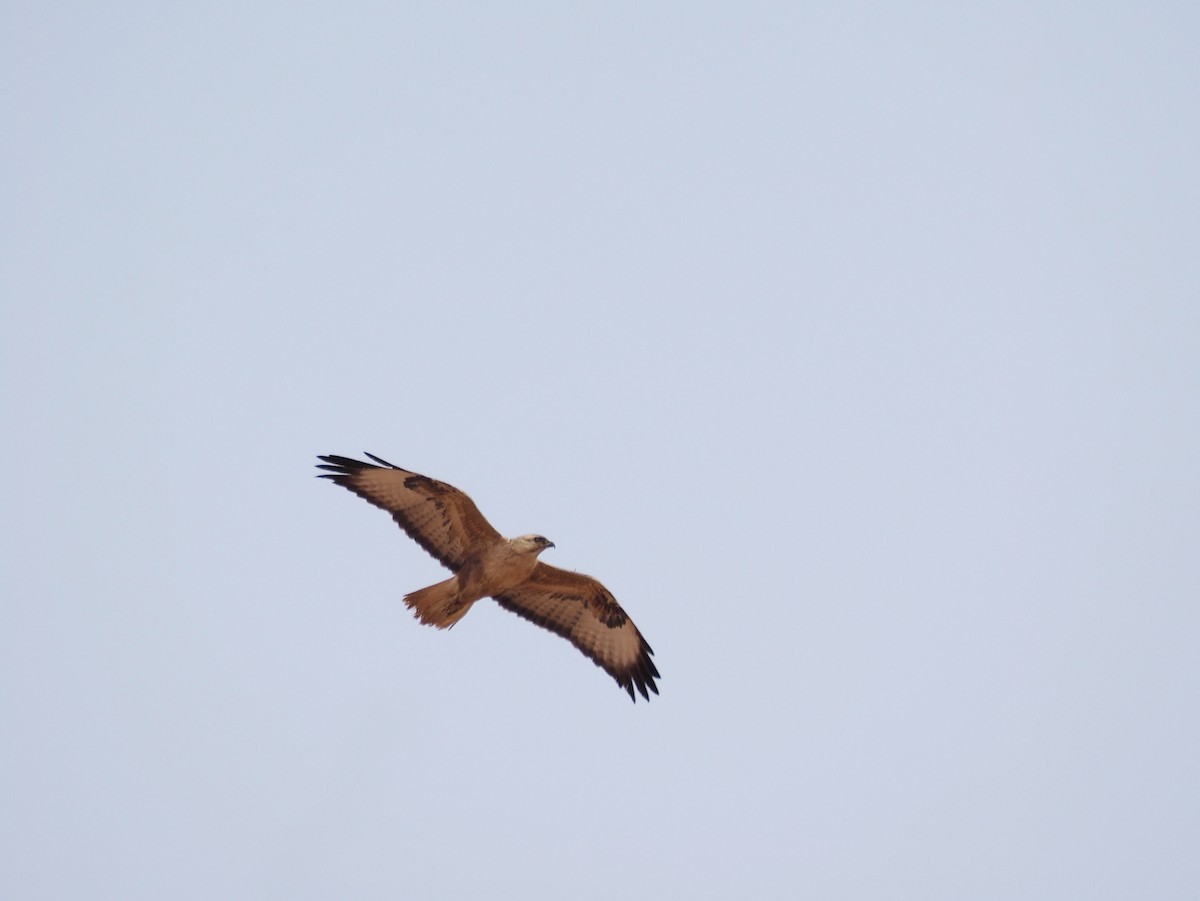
(854, 347)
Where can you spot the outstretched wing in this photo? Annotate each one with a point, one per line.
(581, 610)
(435, 515)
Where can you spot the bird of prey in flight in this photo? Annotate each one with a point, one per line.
(447, 524)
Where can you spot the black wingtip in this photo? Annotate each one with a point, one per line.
(642, 680)
(345, 466)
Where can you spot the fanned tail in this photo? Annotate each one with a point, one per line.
(438, 605)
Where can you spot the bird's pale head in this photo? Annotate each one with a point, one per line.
(531, 544)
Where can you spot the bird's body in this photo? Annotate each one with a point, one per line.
(495, 569)
(447, 524)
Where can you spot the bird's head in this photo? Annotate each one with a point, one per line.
(532, 544)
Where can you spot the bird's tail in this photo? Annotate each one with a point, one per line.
(438, 605)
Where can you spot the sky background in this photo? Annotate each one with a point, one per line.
(855, 347)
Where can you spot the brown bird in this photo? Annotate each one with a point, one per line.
(447, 524)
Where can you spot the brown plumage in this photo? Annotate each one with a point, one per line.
(447, 524)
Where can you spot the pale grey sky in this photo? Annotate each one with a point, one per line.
(855, 347)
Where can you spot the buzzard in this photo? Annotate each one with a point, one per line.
(447, 524)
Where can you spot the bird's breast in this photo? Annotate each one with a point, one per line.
(496, 571)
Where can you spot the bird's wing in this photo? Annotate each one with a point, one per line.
(581, 610)
(435, 515)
